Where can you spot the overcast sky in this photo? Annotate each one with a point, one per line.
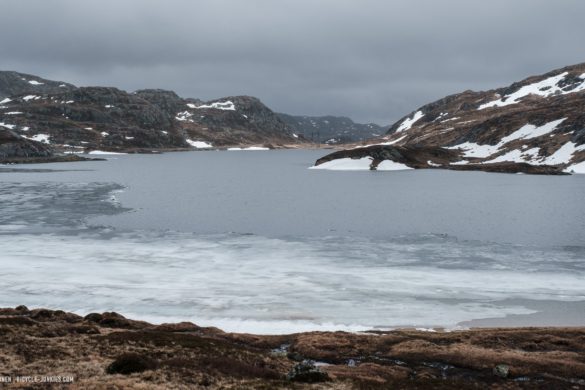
(371, 60)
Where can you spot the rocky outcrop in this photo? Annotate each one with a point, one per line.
(539, 122)
(15, 149)
(100, 118)
(332, 130)
(110, 351)
(14, 146)
(428, 158)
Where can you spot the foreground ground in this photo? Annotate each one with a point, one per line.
(109, 351)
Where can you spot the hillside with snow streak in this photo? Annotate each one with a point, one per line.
(537, 122)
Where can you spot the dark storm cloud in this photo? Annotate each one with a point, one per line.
(368, 59)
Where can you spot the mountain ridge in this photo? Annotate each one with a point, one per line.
(82, 119)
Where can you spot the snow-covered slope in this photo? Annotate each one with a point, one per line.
(539, 121)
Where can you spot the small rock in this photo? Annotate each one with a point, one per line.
(502, 370)
(281, 351)
(307, 372)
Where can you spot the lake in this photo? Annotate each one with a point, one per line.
(254, 241)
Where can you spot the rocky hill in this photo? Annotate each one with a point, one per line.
(332, 130)
(72, 119)
(538, 122)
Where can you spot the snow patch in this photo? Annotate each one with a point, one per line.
(389, 165)
(104, 152)
(577, 168)
(104, 134)
(408, 122)
(184, 116)
(199, 144)
(383, 143)
(531, 131)
(34, 82)
(346, 164)
(249, 148)
(512, 156)
(30, 97)
(13, 113)
(471, 149)
(228, 105)
(44, 138)
(5, 101)
(9, 127)
(564, 154)
(544, 88)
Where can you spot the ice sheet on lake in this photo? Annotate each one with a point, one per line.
(261, 285)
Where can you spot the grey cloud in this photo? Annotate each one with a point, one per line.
(372, 60)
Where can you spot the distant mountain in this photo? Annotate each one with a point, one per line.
(537, 122)
(332, 129)
(69, 118)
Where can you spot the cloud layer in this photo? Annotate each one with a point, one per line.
(372, 60)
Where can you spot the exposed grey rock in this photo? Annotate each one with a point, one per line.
(502, 370)
(307, 372)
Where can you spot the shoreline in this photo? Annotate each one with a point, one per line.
(546, 315)
(108, 349)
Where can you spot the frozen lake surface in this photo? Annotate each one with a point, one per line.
(254, 241)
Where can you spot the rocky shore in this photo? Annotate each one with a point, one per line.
(431, 158)
(53, 349)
